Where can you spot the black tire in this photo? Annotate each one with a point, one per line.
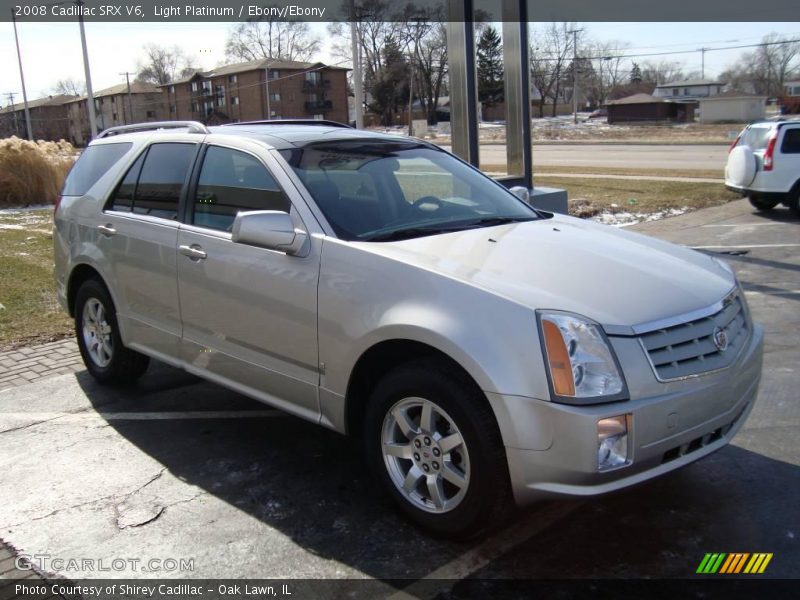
(794, 201)
(487, 500)
(762, 204)
(124, 366)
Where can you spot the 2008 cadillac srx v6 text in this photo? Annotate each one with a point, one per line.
(484, 351)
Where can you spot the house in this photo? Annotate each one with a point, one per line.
(732, 106)
(644, 108)
(260, 89)
(49, 120)
(790, 101)
(689, 89)
(113, 106)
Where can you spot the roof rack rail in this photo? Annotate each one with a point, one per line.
(320, 122)
(193, 126)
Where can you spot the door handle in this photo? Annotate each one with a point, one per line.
(107, 230)
(195, 252)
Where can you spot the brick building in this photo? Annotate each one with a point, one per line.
(49, 119)
(112, 105)
(260, 89)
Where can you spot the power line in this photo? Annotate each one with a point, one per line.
(647, 54)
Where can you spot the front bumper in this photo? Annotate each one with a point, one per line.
(686, 421)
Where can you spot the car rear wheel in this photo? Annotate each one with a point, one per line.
(761, 203)
(433, 442)
(794, 201)
(106, 359)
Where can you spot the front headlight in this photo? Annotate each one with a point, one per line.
(579, 360)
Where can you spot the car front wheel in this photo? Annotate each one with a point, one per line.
(106, 359)
(433, 442)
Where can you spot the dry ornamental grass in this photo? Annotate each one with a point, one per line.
(32, 172)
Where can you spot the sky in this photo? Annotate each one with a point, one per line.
(52, 51)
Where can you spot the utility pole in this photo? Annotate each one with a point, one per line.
(358, 81)
(89, 92)
(22, 80)
(574, 33)
(130, 97)
(703, 63)
(13, 113)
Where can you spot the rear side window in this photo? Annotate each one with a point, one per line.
(93, 163)
(123, 197)
(153, 184)
(791, 141)
(232, 181)
(757, 137)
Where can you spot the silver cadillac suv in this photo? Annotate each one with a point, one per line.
(482, 349)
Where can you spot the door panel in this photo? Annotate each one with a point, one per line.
(249, 314)
(139, 235)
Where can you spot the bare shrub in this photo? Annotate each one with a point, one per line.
(32, 172)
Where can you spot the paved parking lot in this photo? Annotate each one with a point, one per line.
(177, 468)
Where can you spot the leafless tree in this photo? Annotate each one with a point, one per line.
(766, 69)
(425, 39)
(69, 87)
(162, 65)
(287, 40)
(609, 71)
(665, 71)
(551, 53)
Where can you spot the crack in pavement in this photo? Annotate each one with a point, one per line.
(121, 497)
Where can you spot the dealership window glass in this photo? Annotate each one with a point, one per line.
(791, 141)
(162, 178)
(93, 163)
(232, 181)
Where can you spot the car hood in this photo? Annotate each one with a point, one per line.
(618, 278)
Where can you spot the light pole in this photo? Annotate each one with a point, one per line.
(411, 57)
(89, 92)
(22, 80)
(357, 75)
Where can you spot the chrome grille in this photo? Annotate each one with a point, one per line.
(689, 349)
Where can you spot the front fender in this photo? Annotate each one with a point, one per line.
(366, 298)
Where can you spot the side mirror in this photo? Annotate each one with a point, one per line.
(521, 193)
(271, 229)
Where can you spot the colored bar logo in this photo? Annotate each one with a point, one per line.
(734, 563)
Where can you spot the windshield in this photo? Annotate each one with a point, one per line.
(374, 190)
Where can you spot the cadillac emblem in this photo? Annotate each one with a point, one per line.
(720, 339)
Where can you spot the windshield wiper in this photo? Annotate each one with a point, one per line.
(409, 232)
(491, 221)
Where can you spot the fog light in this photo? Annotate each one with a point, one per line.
(612, 442)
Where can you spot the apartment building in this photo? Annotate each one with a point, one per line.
(49, 119)
(114, 106)
(260, 89)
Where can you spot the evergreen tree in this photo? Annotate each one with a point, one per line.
(490, 67)
(636, 73)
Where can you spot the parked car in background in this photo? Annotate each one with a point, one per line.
(764, 164)
(600, 113)
(483, 350)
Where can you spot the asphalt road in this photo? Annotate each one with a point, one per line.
(179, 468)
(613, 155)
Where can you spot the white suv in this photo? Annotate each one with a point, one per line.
(764, 165)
